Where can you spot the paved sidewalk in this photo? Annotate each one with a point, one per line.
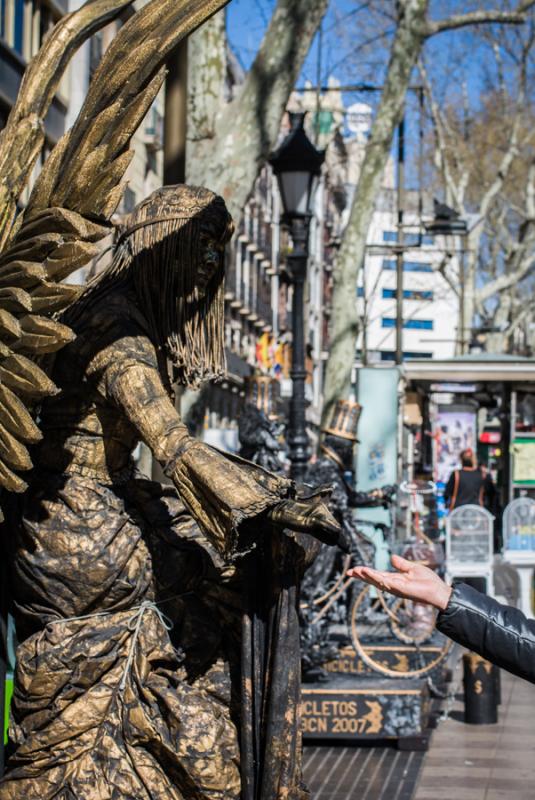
(484, 762)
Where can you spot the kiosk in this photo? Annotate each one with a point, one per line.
(519, 546)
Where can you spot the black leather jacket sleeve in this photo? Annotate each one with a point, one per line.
(501, 634)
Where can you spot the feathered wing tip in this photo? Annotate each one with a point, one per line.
(47, 248)
(70, 207)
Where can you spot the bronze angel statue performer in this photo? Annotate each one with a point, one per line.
(158, 643)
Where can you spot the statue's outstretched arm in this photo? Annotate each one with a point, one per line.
(219, 493)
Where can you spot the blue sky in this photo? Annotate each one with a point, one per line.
(247, 20)
(457, 61)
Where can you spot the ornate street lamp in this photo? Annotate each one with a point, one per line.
(448, 222)
(297, 166)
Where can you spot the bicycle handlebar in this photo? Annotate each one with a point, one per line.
(418, 487)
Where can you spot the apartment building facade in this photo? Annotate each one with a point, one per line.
(430, 303)
(23, 27)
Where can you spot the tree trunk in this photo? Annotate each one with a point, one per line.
(498, 340)
(207, 70)
(227, 147)
(406, 49)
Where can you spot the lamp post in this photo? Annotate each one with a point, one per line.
(297, 166)
(448, 222)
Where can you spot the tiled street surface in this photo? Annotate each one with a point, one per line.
(362, 773)
(484, 762)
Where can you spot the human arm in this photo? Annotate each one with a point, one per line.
(448, 491)
(499, 633)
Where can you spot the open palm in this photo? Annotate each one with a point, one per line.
(412, 581)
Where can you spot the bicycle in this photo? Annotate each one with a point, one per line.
(376, 616)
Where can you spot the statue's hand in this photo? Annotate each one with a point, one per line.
(309, 515)
(388, 491)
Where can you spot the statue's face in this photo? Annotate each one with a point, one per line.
(212, 252)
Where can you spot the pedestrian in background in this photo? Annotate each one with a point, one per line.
(469, 485)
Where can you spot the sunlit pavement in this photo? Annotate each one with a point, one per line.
(484, 762)
(464, 762)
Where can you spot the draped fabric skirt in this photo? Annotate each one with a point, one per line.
(148, 668)
(130, 633)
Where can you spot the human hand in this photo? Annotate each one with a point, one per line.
(412, 581)
(309, 515)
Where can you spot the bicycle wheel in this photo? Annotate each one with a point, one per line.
(376, 627)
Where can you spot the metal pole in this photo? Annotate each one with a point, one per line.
(297, 432)
(462, 301)
(318, 85)
(510, 463)
(175, 119)
(400, 242)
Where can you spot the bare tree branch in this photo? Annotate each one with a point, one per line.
(454, 189)
(522, 313)
(516, 17)
(441, 269)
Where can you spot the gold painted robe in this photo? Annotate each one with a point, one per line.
(128, 596)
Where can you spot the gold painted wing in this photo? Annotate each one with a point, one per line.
(70, 208)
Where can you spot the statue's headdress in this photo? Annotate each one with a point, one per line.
(344, 420)
(160, 249)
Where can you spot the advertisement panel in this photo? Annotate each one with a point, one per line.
(453, 431)
(377, 452)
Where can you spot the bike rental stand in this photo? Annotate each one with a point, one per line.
(378, 684)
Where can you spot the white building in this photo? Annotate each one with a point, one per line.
(430, 303)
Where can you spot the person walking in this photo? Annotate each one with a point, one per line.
(470, 485)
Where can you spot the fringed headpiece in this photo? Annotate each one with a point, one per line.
(161, 248)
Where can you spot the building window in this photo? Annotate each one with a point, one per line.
(154, 128)
(412, 239)
(408, 266)
(129, 200)
(389, 355)
(18, 26)
(408, 294)
(360, 291)
(46, 23)
(96, 51)
(3, 4)
(410, 324)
